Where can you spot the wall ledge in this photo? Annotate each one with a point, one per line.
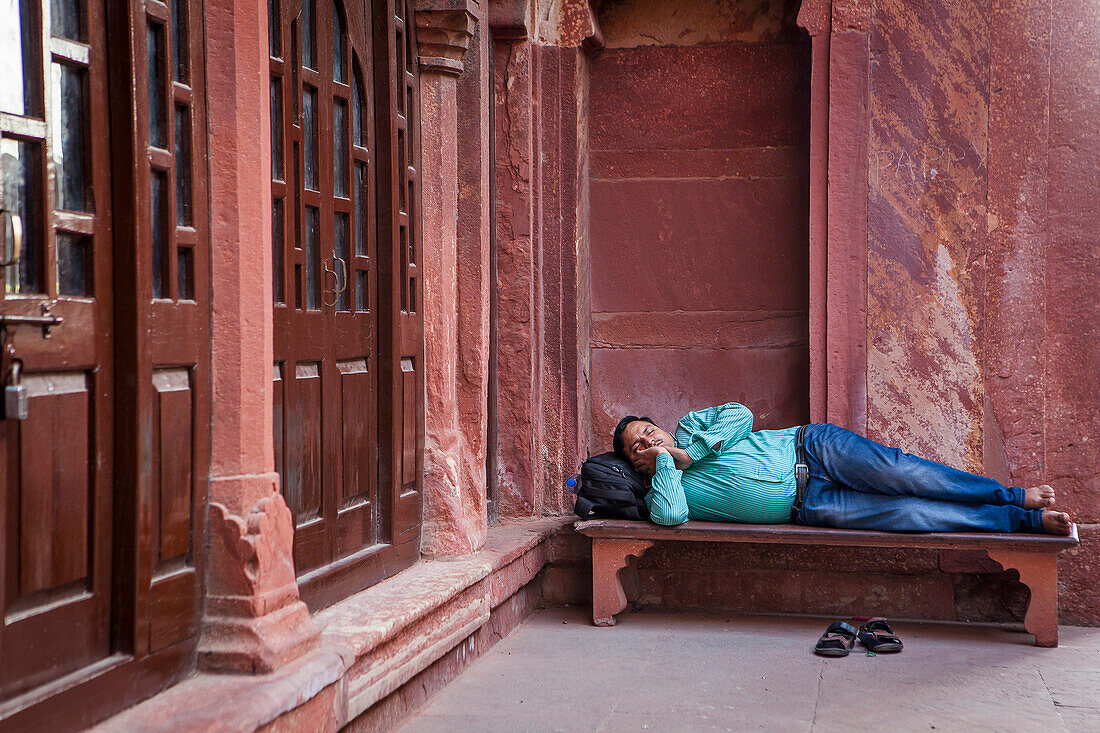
(371, 643)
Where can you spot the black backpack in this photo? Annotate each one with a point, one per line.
(609, 488)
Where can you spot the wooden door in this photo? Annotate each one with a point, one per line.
(401, 289)
(105, 313)
(334, 320)
(55, 472)
(162, 321)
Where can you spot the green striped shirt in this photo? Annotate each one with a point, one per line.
(749, 478)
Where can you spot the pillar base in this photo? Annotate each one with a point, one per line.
(257, 645)
(254, 620)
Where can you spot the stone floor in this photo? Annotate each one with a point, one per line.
(668, 672)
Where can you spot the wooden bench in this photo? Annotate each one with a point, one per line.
(1035, 557)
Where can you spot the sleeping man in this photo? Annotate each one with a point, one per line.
(717, 469)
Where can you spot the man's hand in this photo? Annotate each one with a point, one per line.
(681, 458)
(645, 460)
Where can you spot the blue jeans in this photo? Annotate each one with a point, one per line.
(856, 483)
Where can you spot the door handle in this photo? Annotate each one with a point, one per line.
(344, 272)
(339, 278)
(16, 239)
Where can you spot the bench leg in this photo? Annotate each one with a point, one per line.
(1039, 572)
(609, 556)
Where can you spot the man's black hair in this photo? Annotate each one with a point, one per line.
(617, 436)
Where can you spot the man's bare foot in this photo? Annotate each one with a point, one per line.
(1038, 497)
(1056, 522)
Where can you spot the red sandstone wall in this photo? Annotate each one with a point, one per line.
(699, 212)
(983, 257)
(983, 260)
(926, 227)
(1043, 299)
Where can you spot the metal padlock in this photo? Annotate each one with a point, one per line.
(15, 394)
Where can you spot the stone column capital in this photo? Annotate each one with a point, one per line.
(816, 16)
(852, 15)
(509, 19)
(443, 32)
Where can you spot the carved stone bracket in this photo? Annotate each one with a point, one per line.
(509, 19)
(254, 621)
(443, 32)
(609, 558)
(571, 24)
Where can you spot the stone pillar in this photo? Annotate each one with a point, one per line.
(517, 472)
(816, 17)
(454, 498)
(254, 621)
(543, 312)
(563, 269)
(474, 269)
(846, 229)
(567, 35)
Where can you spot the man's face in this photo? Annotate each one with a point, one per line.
(639, 435)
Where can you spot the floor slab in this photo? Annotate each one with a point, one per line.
(723, 672)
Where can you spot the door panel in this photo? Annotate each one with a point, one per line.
(173, 599)
(53, 498)
(173, 451)
(408, 422)
(173, 609)
(356, 528)
(303, 485)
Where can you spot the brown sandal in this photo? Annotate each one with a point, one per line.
(837, 640)
(878, 637)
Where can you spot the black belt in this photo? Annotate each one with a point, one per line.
(801, 472)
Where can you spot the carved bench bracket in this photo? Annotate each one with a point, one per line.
(609, 557)
(1039, 572)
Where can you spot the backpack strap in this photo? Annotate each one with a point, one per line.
(583, 507)
(614, 494)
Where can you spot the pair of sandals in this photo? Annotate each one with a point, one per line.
(840, 637)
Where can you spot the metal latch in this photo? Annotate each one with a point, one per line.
(47, 321)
